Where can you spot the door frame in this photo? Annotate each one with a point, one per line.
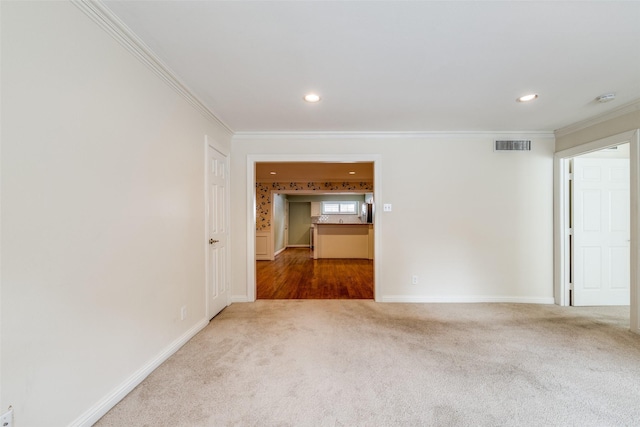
(252, 159)
(286, 223)
(561, 217)
(207, 247)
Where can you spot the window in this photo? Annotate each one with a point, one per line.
(342, 208)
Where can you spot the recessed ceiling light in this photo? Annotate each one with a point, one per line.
(527, 98)
(312, 97)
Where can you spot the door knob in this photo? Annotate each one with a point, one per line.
(211, 241)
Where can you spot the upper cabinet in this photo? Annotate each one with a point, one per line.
(316, 208)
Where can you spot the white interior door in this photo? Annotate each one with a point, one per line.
(218, 228)
(601, 258)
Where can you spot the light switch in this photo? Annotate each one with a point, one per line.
(386, 207)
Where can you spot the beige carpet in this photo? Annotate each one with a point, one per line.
(358, 363)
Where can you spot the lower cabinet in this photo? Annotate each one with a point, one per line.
(344, 241)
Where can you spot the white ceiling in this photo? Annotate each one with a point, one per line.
(396, 65)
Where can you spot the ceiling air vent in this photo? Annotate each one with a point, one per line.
(512, 145)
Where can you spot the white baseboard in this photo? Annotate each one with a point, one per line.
(464, 299)
(444, 299)
(278, 252)
(93, 414)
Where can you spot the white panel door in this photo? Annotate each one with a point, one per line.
(218, 225)
(601, 258)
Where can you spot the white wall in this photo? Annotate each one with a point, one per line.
(102, 214)
(472, 224)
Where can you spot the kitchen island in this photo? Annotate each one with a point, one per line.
(343, 240)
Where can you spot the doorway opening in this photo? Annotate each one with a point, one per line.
(599, 238)
(283, 253)
(568, 246)
(322, 246)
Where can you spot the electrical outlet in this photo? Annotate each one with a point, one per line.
(6, 419)
(414, 280)
(183, 314)
(387, 207)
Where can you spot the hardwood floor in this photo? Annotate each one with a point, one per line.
(294, 275)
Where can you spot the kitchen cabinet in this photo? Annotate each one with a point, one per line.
(343, 241)
(316, 208)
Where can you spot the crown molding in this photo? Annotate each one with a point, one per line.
(389, 135)
(600, 118)
(108, 21)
